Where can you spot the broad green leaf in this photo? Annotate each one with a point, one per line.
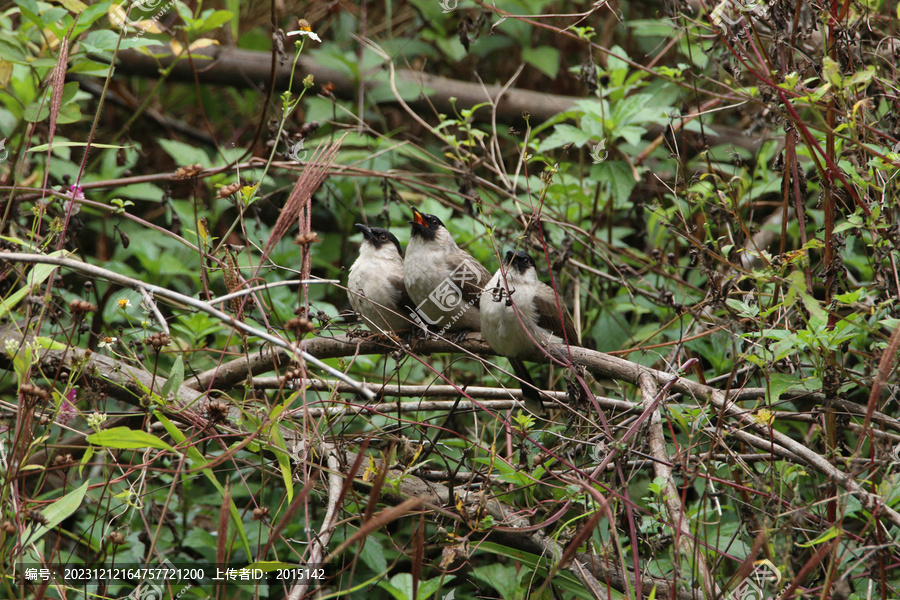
(543, 58)
(283, 457)
(60, 510)
(184, 154)
(128, 439)
(216, 19)
(566, 134)
(504, 579)
(74, 6)
(176, 378)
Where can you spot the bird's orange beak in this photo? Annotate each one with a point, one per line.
(418, 219)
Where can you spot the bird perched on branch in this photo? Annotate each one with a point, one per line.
(375, 285)
(519, 313)
(443, 280)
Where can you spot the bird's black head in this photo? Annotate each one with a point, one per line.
(378, 237)
(426, 226)
(520, 260)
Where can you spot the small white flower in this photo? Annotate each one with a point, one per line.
(306, 30)
(124, 303)
(107, 342)
(310, 34)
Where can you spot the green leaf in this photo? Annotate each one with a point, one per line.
(234, 6)
(504, 579)
(74, 6)
(11, 50)
(215, 20)
(742, 308)
(30, 11)
(60, 510)
(565, 134)
(85, 459)
(781, 382)
(373, 555)
(283, 457)
(184, 154)
(832, 533)
(49, 344)
(401, 586)
(543, 58)
(620, 178)
(176, 378)
(128, 439)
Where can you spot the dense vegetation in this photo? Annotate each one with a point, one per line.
(711, 187)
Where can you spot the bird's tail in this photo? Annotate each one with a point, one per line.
(532, 395)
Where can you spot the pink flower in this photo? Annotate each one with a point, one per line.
(67, 410)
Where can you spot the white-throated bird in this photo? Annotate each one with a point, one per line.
(542, 318)
(375, 285)
(443, 280)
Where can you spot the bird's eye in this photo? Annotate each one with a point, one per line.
(383, 237)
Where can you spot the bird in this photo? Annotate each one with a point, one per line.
(542, 319)
(375, 285)
(443, 280)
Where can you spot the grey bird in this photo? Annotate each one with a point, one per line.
(375, 284)
(443, 280)
(542, 318)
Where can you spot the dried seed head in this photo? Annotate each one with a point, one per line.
(300, 325)
(231, 188)
(188, 171)
(36, 516)
(158, 340)
(217, 411)
(62, 460)
(34, 391)
(117, 538)
(80, 306)
(304, 239)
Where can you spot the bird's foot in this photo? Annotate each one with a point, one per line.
(460, 337)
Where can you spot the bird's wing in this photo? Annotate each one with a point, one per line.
(548, 315)
(403, 299)
(468, 274)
